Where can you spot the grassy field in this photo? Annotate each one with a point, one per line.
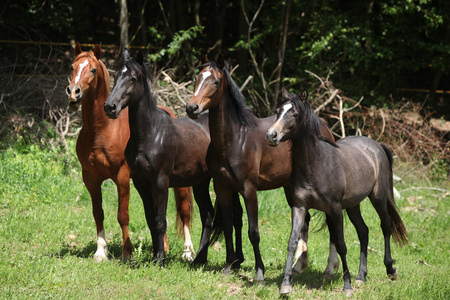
(47, 242)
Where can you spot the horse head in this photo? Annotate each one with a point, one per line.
(208, 87)
(288, 115)
(128, 82)
(84, 75)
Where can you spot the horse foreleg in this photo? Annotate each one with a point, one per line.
(225, 200)
(94, 188)
(298, 219)
(162, 194)
(251, 204)
(123, 191)
(237, 224)
(183, 199)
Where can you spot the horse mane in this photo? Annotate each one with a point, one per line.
(240, 111)
(309, 123)
(144, 72)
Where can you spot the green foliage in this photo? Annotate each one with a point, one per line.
(177, 42)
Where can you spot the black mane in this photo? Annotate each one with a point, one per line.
(240, 111)
(142, 71)
(308, 122)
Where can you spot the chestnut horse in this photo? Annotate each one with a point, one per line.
(240, 160)
(100, 150)
(361, 168)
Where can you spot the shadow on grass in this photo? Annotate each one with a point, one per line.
(312, 279)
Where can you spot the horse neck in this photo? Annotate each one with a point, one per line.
(92, 111)
(222, 126)
(306, 154)
(143, 114)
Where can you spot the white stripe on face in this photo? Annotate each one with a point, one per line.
(84, 64)
(124, 69)
(204, 76)
(284, 109)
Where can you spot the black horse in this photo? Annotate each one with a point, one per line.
(162, 152)
(332, 176)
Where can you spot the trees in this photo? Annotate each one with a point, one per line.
(370, 47)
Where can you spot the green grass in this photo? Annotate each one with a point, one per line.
(47, 242)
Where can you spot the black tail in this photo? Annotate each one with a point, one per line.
(218, 223)
(399, 232)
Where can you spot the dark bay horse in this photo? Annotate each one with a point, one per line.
(162, 152)
(360, 168)
(240, 160)
(100, 150)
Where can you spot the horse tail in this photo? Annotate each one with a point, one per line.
(399, 232)
(185, 208)
(217, 224)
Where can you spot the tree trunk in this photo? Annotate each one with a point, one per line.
(281, 52)
(123, 25)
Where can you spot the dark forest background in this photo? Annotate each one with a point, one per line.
(377, 68)
(375, 49)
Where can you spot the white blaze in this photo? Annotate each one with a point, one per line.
(204, 76)
(84, 64)
(284, 109)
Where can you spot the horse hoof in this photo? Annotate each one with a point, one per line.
(348, 292)
(285, 289)
(299, 267)
(259, 277)
(327, 275)
(100, 258)
(394, 276)
(359, 282)
(188, 255)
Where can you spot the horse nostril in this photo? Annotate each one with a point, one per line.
(110, 107)
(77, 92)
(68, 91)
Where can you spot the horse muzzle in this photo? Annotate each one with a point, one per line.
(111, 110)
(192, 110)
(74, 96)
(272, 138)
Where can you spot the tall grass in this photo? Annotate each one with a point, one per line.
(47, 242)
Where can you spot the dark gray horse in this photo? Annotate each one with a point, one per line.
(331, 177)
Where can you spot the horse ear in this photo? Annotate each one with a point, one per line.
(98, 51)
(304, 96)
(77, 49)
(220, 62)
(285, 93)
(126, 54)
(204, 58)
(140, 58)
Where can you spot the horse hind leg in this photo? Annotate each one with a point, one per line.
(123, 190)
(354, 213)
(333, 261)
(184, 205)
(301, 255)
(379, 202)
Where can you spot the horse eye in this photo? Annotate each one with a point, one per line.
(216, 83)
(296, 115)
(133, 79)
(94, 70)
